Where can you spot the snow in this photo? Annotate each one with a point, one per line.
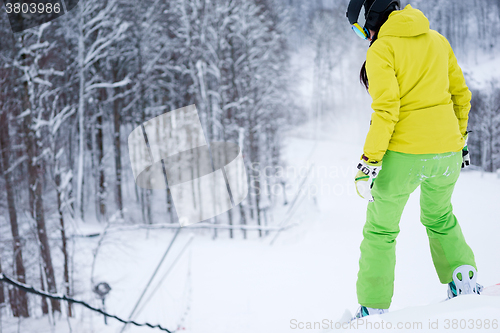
(307, 275)
(469, 313)
(483, 75)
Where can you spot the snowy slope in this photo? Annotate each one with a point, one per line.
(307, 275)
(470, 313)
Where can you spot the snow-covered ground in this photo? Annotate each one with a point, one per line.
(307, 275)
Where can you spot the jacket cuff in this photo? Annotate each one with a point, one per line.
(370, 161)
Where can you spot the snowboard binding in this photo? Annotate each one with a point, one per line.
(363, 311)
(464, 282)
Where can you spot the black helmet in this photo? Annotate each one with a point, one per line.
(374, 11)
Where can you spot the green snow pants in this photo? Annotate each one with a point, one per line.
(401, 174)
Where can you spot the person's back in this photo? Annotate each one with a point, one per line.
(416, 139)
(420, 103)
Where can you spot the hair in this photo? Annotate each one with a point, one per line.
(363, 77)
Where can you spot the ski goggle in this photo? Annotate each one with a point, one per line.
(362, 33)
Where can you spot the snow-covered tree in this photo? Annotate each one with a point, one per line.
(484, 122)
(33, 50)
(98, 28)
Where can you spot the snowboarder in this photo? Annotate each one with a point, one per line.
(418, 132)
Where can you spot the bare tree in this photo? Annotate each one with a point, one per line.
(35, 84)
(19, 299)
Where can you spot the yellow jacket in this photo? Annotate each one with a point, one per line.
(420, 98)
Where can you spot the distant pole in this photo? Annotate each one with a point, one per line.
(104, 309)
(102, 290)
(483, 158)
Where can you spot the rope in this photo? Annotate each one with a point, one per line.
(32, 290)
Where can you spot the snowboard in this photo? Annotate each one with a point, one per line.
(493, 290)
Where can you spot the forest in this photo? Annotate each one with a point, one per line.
(73, 89)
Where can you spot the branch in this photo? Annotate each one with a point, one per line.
(16, 163)
(202, 225)
(121, 83)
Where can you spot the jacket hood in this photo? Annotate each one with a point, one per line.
(408, 22)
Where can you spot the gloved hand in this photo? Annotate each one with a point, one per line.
(368, 171)
(465, 152)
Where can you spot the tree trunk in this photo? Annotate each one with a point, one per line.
(64, 241)
(21, 299)
(145, 193)
(255, 174)
(491, 144)
(149, 212)
(101, 193)
(2, 293)
(81, 116)
(71, 165)
(230, 218)
(35, 182)
(39, 217)
(45, 306)
(170, 205)
(243, 220)
(117, 149)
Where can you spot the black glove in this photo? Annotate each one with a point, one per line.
(465, 152)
